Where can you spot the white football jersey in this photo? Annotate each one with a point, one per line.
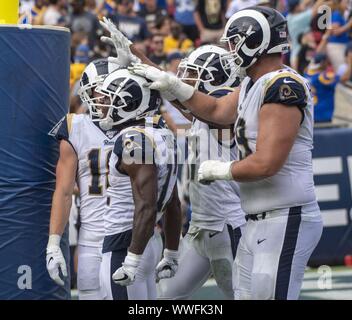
(93, 148)
(156, 144)
(293, 185)
(218, 203)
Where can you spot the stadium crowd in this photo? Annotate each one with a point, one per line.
(166, 30)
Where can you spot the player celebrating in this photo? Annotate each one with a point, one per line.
(274, 133)
(142, 177)
(85, 148)
(211, 243)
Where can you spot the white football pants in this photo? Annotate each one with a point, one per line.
(144, 286)
(88, 283)
(202, 254)
(273, 253)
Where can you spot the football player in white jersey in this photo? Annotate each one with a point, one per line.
(211, 243)
(143, 173)
(215, 227)
(85, 149)
(273, 110)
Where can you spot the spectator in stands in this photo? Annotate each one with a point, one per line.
(173, 60)
(55, 12)
(209, 16)
(151, 13)
(140, 4)
(184, 10)
(339, 33)
(128, 22)
(81, 60)
(306, 52)
(25, 5)
(177, 40)
(101, 50)
(323, 83)
(157, 54)
(163, 25)
(106, 8)
(91, 6)
(298, 22)
(81, 20)
(38, 11)
(236, 5)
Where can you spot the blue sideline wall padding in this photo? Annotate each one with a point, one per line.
(34, 95)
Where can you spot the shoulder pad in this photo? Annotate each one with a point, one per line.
(159, 122)
(286, 88)
(135, 146)
(62, 129)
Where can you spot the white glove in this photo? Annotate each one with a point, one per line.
(167, 96)
(125, 275)
(120, 42)
(163, 81)
(123, 60)
(55, 259)
(211, 170)
(168, 265)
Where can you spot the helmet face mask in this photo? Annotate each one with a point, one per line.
(193, 74)
(92, 100)
(232, 57)
(206, 70)
(92, 77)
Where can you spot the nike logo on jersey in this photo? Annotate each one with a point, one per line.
(260, 241)
(213, 234)
(288, 81)
(129, 135)
(51, 258)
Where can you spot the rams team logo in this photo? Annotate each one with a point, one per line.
(286, 92)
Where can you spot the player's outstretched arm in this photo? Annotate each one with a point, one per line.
(60, 210)
(222, 111)
(145, 192)
(219, 111)
(172, 226)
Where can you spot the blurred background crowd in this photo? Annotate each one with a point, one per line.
(166, 30)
